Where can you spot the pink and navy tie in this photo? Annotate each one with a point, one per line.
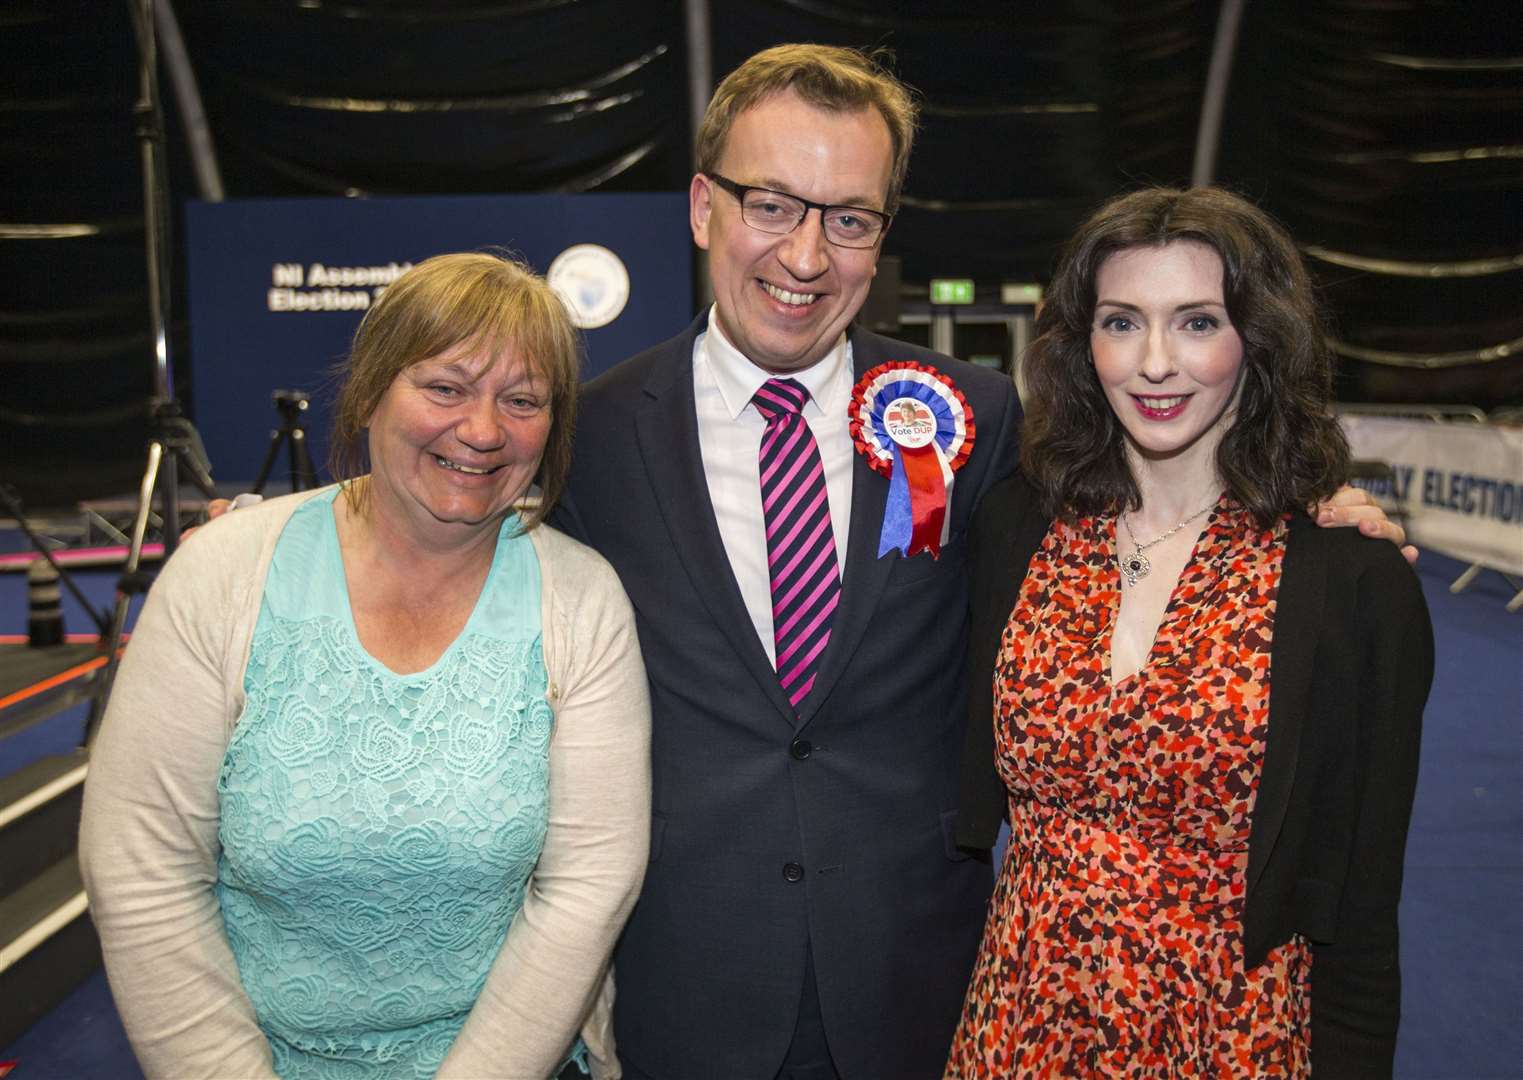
(801, 547)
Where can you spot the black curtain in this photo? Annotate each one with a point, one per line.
(1387, 134)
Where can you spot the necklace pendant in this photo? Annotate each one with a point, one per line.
(1135, 567)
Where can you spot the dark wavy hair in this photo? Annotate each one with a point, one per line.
(1283, 451)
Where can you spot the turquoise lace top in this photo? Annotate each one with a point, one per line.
(378, 830)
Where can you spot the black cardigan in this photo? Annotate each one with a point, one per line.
(1350, 667)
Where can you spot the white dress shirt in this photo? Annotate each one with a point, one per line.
(729, 437)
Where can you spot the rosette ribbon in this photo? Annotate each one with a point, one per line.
(915, 427)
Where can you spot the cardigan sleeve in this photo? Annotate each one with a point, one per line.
(1356, 980)
(148, 837)
(554, 961)
(1007, 530)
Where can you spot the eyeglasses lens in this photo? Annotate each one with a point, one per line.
(773, 212)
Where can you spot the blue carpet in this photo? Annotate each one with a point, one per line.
(81, 1039)
(1462, 905)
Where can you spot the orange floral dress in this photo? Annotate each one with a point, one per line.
(1113, 946)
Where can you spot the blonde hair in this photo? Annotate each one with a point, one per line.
(825, 76)
(485, 302)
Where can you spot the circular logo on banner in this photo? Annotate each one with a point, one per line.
(593, 283)
(909, 422)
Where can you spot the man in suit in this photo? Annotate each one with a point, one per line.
(805, 912)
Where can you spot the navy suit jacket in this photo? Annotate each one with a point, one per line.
(833, 830)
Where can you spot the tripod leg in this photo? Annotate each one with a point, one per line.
(307, 470)
(169, 499)
(269, 461)
(128, 586)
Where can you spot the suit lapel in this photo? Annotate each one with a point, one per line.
(866, 574)
(666, 427)
(1298, 608)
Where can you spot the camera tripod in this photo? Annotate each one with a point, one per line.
(290, 404)
(173, 443)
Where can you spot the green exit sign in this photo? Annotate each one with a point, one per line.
(951, 290)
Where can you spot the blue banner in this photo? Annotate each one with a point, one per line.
(277, 287)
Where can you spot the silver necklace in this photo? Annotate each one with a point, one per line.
(1135, 567)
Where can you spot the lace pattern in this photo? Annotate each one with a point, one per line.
(378, 834)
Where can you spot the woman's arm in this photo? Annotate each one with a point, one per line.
(555, 957)
(1356, 981)
(148, 840)
(1007, 530)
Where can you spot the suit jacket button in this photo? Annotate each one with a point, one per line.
(793, 872)
(801, 749)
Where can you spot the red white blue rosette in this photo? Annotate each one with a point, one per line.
(914, 427)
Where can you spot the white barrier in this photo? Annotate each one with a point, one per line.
(1460, 485)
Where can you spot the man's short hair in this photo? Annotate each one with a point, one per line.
(825, 76)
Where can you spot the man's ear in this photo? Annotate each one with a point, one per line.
(700, 203)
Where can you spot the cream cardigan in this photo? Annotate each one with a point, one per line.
(148, 842)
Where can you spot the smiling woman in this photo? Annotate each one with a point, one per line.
(1074, 446)
(451, 322)
(406, 809)
(1166, 353)
(1199, 711)
(458, 438)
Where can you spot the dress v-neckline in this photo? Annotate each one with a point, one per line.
(1171, 610)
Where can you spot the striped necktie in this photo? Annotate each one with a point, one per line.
(801, 546)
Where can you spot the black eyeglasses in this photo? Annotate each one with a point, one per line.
(779, 213)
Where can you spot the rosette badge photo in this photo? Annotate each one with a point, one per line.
(914, 427)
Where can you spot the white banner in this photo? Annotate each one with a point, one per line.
(1460, 484)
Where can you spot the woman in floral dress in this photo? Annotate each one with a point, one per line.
(1198, 711)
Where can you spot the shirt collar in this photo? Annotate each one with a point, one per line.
(738, 379)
